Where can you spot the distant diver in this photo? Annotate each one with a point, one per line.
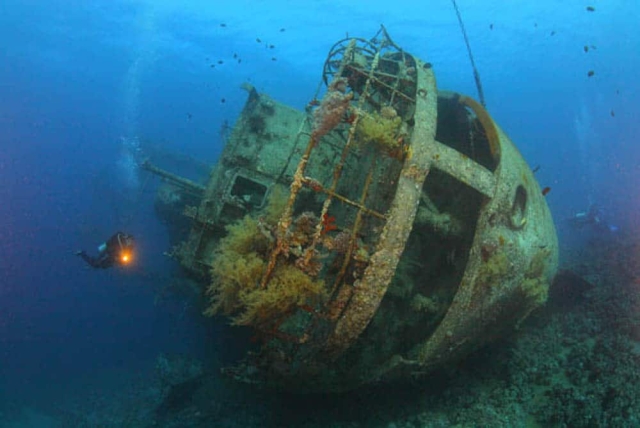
(593, 219)
(118, 250)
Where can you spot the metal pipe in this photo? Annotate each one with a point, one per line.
(175, 179)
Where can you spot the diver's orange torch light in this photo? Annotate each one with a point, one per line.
(126, 257)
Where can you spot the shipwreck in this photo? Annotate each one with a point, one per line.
(387, 230)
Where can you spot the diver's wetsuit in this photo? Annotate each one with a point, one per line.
(110, 251)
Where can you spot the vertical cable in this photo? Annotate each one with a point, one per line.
(476, 75)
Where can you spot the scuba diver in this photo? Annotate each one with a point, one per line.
(118, 250)
(593, 218)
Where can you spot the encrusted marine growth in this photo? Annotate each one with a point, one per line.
(383, 130)
(240, 263)
(535, 285)
(332, 108)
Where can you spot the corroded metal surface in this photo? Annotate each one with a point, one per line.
(369, 291)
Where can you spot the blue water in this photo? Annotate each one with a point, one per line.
(83, 82)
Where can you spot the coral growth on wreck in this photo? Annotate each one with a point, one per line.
(332, 108)
(383, 130)
(240, 263)
(535, 284)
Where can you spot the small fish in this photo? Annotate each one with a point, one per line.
(314, 102)
(273, 58)
(613, 113)
(220, 61)
(546, 190)
(490, 26)
(591, 73)
(591, 9)
(189, 116)
(239, 60)
(586, 48)
(258, 40)
(271, 46)
(212, 66)
(553, 33)
(222, 100)
(222, 24)
(536, 169)
(282, 30)
(235, 55)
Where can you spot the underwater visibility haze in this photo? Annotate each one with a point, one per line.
(311, 214)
